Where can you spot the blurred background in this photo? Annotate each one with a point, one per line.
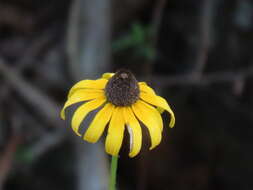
(195, 53)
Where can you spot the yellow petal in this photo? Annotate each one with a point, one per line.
(149, 116)
(79, 96)
(97, 126)
(107, 75)
(134, 130)
(163, 104)
(115, 134)
(89, 84)
(159, 102)
(145, 88)
(83, 110)
(160, 110)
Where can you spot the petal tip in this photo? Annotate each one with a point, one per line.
(172, 121)
(107, 75)
(152, 147)
(75, 129)
(62, 115)
(77, 133)
(89, 139)
(132, 155)
(171, 125)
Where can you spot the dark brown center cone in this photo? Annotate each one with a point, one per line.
(122, 89)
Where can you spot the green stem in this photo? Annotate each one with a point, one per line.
(114, 164)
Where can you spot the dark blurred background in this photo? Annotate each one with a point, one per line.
(196, 53)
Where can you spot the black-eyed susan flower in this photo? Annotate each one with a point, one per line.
(123, 102)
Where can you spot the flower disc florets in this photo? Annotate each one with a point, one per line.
(122, 89)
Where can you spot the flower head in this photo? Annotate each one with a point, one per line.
(121, 101)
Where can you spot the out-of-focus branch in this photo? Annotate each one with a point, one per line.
(27, 61)
(88, 48)
(204, 41)
(42, 105)
(39, 101)
(157, 14)
(157, 18)
(7, 158)
(46, 142)
(218, 77)
(88, 38)
(4, 91)
(34, 51)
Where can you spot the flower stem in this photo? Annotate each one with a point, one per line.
(114, 164)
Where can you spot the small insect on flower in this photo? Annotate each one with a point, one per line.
(122, 101)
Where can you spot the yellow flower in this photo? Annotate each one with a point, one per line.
(121, 101)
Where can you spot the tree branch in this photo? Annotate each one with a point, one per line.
(39, 101)
(88, 47)
(218, 77)
(204, 41)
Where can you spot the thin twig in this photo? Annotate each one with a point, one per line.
(204, 33)
(157, 18)
(155, 25)
(218, 77)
